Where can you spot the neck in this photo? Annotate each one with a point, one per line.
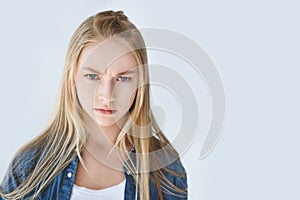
(102, 138)
(110, 132)
(100, 144)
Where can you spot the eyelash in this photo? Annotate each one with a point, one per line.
(97, 78)
(127, 78)
(87, 75)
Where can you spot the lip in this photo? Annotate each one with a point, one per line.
(105, 111)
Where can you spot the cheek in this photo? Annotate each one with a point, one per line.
(85, 93)
(125, 95)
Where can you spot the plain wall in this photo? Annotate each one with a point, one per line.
(255, 46)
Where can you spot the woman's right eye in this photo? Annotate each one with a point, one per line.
(92, 76)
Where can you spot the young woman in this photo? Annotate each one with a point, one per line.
(102, 141)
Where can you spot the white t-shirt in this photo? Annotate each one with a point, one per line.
(112, 193)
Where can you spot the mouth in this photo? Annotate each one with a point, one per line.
(105, 111)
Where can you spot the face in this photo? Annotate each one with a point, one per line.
(106, 81)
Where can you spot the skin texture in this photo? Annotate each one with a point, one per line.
(100, 85)
(107, 89)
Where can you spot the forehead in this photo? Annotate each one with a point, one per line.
(107, 54)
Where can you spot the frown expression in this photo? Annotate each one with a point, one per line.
(106, 81)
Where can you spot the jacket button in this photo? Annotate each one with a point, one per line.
(69, 175)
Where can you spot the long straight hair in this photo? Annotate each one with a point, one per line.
(66, 133)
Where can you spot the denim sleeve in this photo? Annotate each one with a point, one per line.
(17, 172)
(11, 180)
(179, 180)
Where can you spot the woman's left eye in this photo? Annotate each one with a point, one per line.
(123, 78)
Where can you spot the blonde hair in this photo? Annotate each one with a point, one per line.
(66, 132)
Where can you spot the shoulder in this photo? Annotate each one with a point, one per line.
(19, 168)
(175, 172)
(172, 174)
(170, 181)
(176, 165)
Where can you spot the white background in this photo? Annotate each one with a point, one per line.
(254, 44)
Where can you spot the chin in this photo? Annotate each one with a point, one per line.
(105, 122)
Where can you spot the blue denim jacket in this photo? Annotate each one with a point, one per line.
(61, 186)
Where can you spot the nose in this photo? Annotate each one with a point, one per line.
(104, 91)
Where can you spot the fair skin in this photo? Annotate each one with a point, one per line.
(106, 83)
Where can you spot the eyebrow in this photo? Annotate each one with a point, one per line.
(126, 72)
(120, 73)
(91, 69)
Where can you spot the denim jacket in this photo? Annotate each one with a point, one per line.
(61, 186)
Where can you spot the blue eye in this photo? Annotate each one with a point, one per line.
(92, 76)
(123, 78)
